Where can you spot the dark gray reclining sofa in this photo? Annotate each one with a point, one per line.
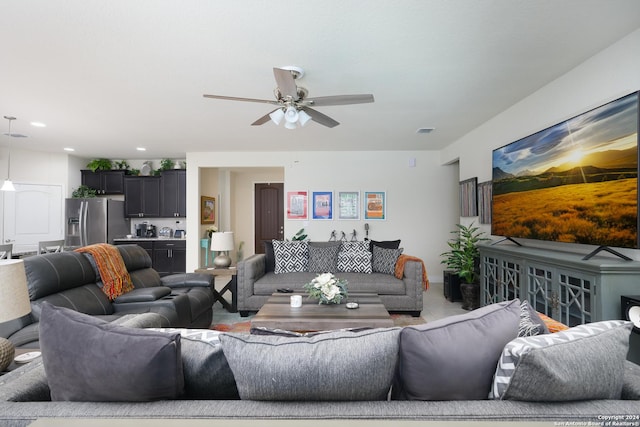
(69, 279)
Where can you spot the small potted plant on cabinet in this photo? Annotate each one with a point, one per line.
(464, 258)
(100, 165)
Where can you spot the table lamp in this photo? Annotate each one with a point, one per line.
(14, 302)
(222, 243)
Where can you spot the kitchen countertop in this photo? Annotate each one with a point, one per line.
(145, 239)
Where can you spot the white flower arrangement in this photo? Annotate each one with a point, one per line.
(211, 229)
(327, 288)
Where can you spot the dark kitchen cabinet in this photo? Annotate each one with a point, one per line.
(169, 257)
(173, 193)
(142, 196)
(104, 182)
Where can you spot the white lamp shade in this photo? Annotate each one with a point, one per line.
(14, 294)
(291, 115)
(222, 241)
(303, 117)
(290, 125)
(277, 116)
(8, 186)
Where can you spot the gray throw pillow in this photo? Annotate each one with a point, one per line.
(527, 327)
(207, 374)
(631, 383)
(384, 260)
(336, 366)
(535, 318)
(323, 257)
(581, 363)
(455, 358)
(87, 359)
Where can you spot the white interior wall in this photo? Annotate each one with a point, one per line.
(242, 199)
(612, 73)
(421, 200)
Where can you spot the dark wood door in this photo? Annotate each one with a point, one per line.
(269, 214)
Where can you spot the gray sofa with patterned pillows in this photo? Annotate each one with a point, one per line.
(71, 279)
(368, 266)
(473, 366)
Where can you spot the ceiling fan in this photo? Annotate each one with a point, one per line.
(293, 105)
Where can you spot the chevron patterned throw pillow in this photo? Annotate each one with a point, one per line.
(583, 362)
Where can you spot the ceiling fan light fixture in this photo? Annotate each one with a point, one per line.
(291, 115)
(277, 116)
(290, 125)
(303, 117)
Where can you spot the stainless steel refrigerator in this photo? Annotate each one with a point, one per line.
(98, 220)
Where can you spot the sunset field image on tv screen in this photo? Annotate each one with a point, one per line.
(574, 182)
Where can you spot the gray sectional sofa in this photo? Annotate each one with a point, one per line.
(69, 279)
(440, 371)
(259, 276)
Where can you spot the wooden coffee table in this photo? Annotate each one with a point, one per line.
(277, 313)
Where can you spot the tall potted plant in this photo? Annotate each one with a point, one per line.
(464, 258)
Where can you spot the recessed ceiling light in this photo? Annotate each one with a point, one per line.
(38, 124)
(425, 130)
(69, 149)
(141, 149)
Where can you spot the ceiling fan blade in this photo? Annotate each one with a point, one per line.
(339, 100)
(323, 119)
(264, 119)
(286, 83)
(235, 98)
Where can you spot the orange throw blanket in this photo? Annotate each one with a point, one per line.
(115, 277)
(402, 259)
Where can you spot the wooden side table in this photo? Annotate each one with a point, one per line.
(231, 286)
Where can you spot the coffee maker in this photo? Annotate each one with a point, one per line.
(145, 229)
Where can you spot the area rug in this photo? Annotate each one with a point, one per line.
(244, 327)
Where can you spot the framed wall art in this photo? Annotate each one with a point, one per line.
(469, 197)
(297, 205)
(349, 205)
(322, 202)
(207, 210)
(484, 202)
(375, 205)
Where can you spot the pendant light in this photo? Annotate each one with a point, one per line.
(8, 185)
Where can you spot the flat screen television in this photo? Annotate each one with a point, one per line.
(575, 182)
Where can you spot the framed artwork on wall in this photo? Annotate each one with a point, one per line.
(207, 210)
(375, 205)
(322, 204)
(297, 205)
(469, 197)
(484, 202)
(349, 205)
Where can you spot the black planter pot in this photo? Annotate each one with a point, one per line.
(470, 296)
